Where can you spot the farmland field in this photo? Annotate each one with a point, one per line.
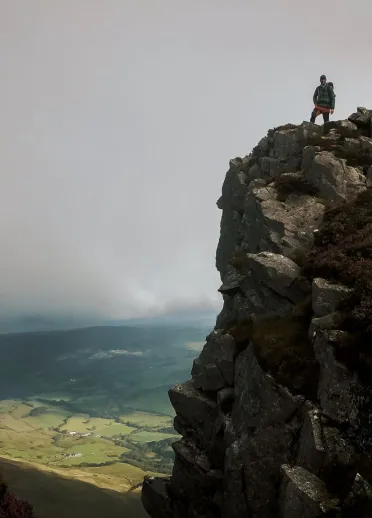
(92, 404)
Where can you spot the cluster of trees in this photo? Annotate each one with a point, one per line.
(162, 463)
(165, 429)
(96, 464)
(39, 411)
(146, 464)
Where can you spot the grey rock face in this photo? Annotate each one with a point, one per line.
(288, 142)
(308, 155)
(311, 451)
(271, 167)
(331, 321)
(192, 474)
(369, 177)
(352, 145)
(259, 400)
(366, 146)
(265, 418)
(327, 297)
(231, 281)
(280, 274)
(335, 180)
(231, 234)
(234, 189)
(214, 369)
(270, 225)
(345, 128)
(271, 284)
(250, 448)
(235, 504)
(359, 500)
(303, 495)
(339, 389)
(155, 497)
(362, 119)
(196, 413)
(325, 452)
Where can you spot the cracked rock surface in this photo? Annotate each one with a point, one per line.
(252, 446)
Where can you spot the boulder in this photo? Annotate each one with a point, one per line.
(155, 498)
(288, 142)
(358, 503)
(231, 234)
(192, 473)
(234, 189)
(327, 297)
(345, 128)
(340, 458)
(272, 167)
(270, 225)
(339, 389)
(329, 321)
(235, 504)
(334, 179)
(225, 399)
(366, 146)
(196, 413)
(362, 119)
(264, 144)
(325, 452)
(231, 280)
(260, 299)
(369, 177)
(207, 377)
(303, 495)
(214, 368)
(352, 146)
(259, 400)
(311, 449)
(255, 172)
(264, 451)
(280, 274)
(308, 155)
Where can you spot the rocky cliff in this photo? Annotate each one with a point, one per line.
(276, 420)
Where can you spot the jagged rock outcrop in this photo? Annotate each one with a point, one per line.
(272, 422)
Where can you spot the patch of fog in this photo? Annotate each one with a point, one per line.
(73, 356)
(195, 346)
(115, 352)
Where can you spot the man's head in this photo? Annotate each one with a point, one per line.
(323, 79)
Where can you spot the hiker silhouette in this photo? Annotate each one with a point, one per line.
(324, 100)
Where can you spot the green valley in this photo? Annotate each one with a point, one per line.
(91, 406)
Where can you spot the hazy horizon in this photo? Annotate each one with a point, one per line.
(118, 121)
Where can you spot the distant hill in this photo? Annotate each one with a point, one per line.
(32, 323)
(84, 411)
(111, 363)
(56, 496)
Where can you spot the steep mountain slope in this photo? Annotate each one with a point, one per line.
(276, 420)
(54, 495)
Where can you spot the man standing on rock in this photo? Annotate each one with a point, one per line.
(324, 100)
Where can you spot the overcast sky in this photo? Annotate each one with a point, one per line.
(118, 119)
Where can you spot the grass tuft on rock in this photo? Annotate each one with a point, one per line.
(354, 156)
(283, 349)
(294, 183)
(239, 260)
(343, 253)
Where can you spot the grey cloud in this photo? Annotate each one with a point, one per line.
(118, 120)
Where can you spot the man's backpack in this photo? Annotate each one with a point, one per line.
(331, 85)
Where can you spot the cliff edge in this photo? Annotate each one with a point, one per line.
(276, 420)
